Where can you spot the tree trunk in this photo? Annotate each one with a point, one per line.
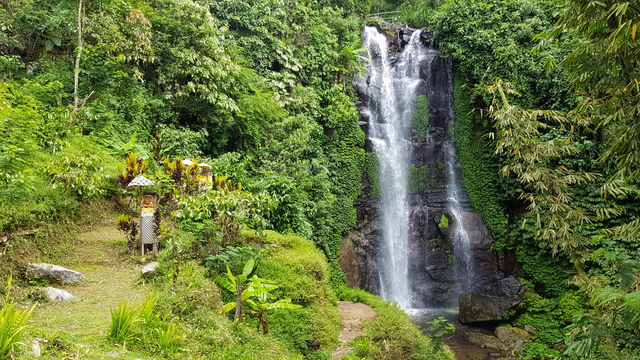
(76, 73)
(239, 289)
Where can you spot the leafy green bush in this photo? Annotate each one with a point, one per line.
(534, 350)
(372, 169)
(422, 178)
(549, 316)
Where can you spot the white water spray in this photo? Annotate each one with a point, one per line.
(393, 83)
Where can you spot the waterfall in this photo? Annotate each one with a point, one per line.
(392, 96)
(460, 239)
(414, 267)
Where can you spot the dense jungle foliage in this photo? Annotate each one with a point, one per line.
(261, 86)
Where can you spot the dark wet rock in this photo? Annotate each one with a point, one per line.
(314, 344)
(505, 287)
(478, 308)
(485, 341)
(492, 301)
(518, 345)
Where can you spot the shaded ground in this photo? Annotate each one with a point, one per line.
(111, 275)
(462, 349)
(352, 315)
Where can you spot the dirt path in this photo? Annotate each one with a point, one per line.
(110, 276)
(352, 315)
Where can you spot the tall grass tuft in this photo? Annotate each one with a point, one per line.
(122, 320)
(12, 324)
(148, 306)
(170, 338)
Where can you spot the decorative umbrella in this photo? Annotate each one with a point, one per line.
(187, 162)
(140, 181)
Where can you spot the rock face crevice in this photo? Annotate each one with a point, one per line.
(432, 255)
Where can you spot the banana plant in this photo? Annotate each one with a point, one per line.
(260, 291)
(239, 285)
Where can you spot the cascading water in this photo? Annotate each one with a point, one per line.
(393, 84)
(460, 239)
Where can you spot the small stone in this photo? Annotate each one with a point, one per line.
(150, 268)
(495, 355)
(518, 345)
(58, 295)
(53, 273)
(36, 348)
(531, 330)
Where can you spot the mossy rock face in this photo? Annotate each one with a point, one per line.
(420, 120)
(511, 333)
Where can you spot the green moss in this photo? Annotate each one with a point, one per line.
(480, 169)
(420, 120)
(422, 178)
(444, 221)
(372, 169)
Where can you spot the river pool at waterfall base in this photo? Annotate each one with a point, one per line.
(461, 347)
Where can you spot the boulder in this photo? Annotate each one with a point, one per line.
(511, 333)
(505, 287)
(54, 273)
(492, 302)
(531, 330)
(150, 268)
(493, 343)
(485, 341)
(58, 295)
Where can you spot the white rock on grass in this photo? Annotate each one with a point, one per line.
(35, 348)
(58, 295)
(53, 273)
(150, 268)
